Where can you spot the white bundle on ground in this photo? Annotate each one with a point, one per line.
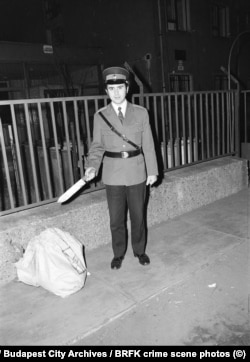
(53, 260)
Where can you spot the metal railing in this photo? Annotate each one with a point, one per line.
(193, 127)
(44, 142)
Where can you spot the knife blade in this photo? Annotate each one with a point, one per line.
(71, 191)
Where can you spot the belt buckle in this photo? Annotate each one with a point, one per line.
(124, 154)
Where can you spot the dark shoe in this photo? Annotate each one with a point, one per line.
(143, 259)
(116, 263)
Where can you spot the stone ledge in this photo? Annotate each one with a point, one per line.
(87, 216)
(189, 188)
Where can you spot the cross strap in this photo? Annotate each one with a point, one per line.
(118, 133)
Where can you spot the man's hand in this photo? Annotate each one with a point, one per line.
(151, 180)
(90, 173)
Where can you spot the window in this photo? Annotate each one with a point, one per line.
(177, 15)
(52, 9)
(180, 82)
(220, 21)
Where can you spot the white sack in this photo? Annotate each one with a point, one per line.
(53, 260)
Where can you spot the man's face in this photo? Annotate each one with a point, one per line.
(117, 92)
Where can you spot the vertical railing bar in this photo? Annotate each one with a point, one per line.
(19, 159)
(230, 122)
(14, 159)
(245, 116)
(177, 116)
(80, 154)
(66, 126)
(155, 117)
(177, 129)
(196, 128)
(163, 123)
(202, 128)
(52, 110)
(184, 138)
(87, 122)
(207, 126)
(233, 102)
(6, 166)
(212, 123)
(86, 103)
(171, 131)
(31, 152)
(190, 128)
(228, 129)
(223, 94)
(46, 161)
(96, 105)
(218, 122)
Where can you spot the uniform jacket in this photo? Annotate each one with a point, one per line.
(118, 171)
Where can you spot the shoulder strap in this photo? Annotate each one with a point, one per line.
(118, 133)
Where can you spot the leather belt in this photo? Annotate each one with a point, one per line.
(123, 154)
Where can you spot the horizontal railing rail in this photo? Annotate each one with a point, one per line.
(45, 142)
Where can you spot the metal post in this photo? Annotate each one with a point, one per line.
(236, 115)
(230, 55)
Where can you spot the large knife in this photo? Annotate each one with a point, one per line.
(71, 191)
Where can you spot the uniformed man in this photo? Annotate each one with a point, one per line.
(127, 168)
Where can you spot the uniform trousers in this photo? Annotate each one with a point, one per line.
(120, 199)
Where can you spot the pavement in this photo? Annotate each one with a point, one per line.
(205, 250)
